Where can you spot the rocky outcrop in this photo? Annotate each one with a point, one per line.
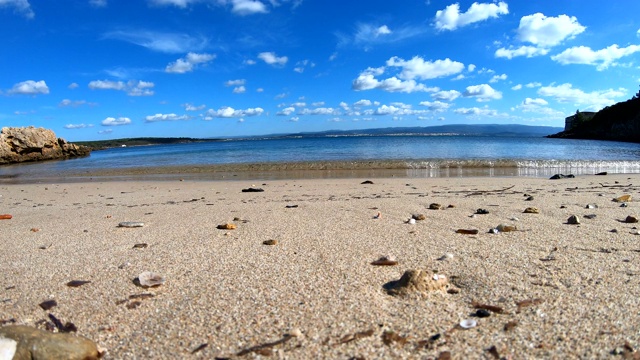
(619, 122)
(35, 144)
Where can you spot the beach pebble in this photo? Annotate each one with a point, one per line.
(419, 216)
(131, 224)
(418, 282)
(493, 231)
(514, 219)
(367, 182)
(447, 256)
(435, 206)
(150, 279)
(506, 228)
(482, 313)
(296, 333)
(482, 211)
(270, 242)
(468, 323)
(561, 176)
(252, 190)
(590, 216)
(5, 217)
(36, 344)
(467, 231)
(591, 206)
(624, 205)
(531, 210)
(631, 219)
(530, 198)
(227, 226)
(573, 220)
(623, 198)
(385, 261)
(411, 221)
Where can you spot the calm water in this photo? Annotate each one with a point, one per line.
(416, 155)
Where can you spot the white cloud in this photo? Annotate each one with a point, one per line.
(271, 59)
(294, 119)
(165, 117)
(602, 59)
(476, 111)
(317, 104)
(286, 111)
(132, 87)
(363, 102)
(383, 30)
(178, 3)
(30, 87)
(191, 107)
(77, 126)
(393, 84)
(73, 86)
(537, 101)
(483, 92)
(319, 111)
(299, 104)
(259, 90)
(74, 103)
(20, 6)
(105, 131)
(497, 78)
(229, 112)
(471, 67)
(446, 95)
(188, 63)
(110, 121)
(517, 87)
(435, 106)
(158, 41)
(238, 82)
(301, 65)
(248, 7)
(450, 18)
(544, 31)
(397, 111)
(595, 100)
(539, 106)
(239, 90)
(532, 85)
(417, 67)
(525, 50)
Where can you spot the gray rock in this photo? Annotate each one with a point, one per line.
(36, 344)
(573, 220)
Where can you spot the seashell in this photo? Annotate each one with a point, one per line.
(227, 226)
(531, 210)
(623, 198)
(573, 220)
(506, 228)
(411, 221)
(515, 219)
(468, 324)
(131, 224)
(435, 206)
(8, 348)
(493, 231)
(419, 216)
(270, 242)
(150, 279)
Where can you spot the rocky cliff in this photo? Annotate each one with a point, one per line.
(35, 144)
(619, 122)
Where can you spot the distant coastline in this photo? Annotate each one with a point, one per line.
(142, 141)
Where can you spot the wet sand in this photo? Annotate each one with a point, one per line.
(578, 286)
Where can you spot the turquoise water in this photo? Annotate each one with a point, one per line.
(529, 156)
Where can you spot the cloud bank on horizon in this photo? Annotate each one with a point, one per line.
(99, 69)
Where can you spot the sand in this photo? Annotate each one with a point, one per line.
(226, 289)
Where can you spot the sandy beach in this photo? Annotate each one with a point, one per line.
(552, 290)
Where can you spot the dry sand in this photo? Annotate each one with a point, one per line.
(226, 289)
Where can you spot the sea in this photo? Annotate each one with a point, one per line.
(343, 156)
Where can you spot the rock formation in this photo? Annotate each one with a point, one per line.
(35, 144)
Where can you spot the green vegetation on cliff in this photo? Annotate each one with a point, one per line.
(619, 122)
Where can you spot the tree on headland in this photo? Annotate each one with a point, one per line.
(636, 96)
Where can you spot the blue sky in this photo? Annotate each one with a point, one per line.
(103, 69)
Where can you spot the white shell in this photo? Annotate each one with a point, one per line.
(8, 348)
(412, 221)
(468, 323)
(149, 279)
(131, 224)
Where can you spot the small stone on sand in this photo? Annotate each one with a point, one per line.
(573, 220)
(623, 198)
(36, 344)
(227, 226)
(131, 224)
(270, 242)
(631, 219)
(150, 279)
(531, 210)
(419, 282)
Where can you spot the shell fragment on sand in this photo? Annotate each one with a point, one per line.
(467, 231)
(131, 224)
(227, 226)
(385, 261)
(531, 210)
(419, 282)
(150, 279)
(623, 198)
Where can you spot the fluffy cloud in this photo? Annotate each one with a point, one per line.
(532, 85)
(595, 100)
(538, 101)
(435, 106)
(73, 86)
(158, 41)
(446, 95)
(382, 30)
(74, 103)
(238, 82)
(483, 92)
(132, 87)
(525, 50)
(191, 107)
(188, 63)
(450, 18)
(30, 87)
(362, 102)
(319, 111)
(110, 121)
(544, 31)
(497, 78)
(397, 110)
(517, 87)
(77, 126)
(418, 68)
(239, 90)
(286, 111)
(476, 111)
(602, 59)
(248, 7)
(301, 65)
(229, 112)
(165, 117)
(271, 59)
(539, 106)
(20, 6)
